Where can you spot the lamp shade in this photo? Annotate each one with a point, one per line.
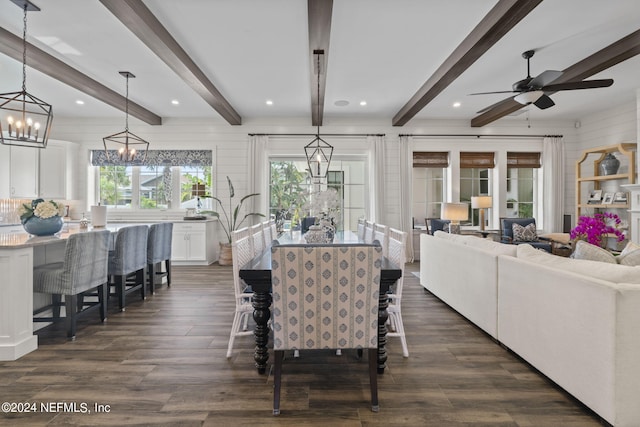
(455, 212)
(481, 202)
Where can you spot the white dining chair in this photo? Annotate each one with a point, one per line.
(257, 236)
(381, 234)
(360, 229)
(242, 253)
(368, 231)
(397, 254)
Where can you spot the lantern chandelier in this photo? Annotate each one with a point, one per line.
(318, 151)
(125, 146)
(25, 120)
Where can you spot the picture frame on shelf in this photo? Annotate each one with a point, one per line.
(607, 199)
(620, 197)
(595, 197)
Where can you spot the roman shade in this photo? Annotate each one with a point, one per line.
(523, 160)
(430, 159)
(477, 160)
(157, 158)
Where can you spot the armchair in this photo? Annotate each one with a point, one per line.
(507, 235)
(436, 224)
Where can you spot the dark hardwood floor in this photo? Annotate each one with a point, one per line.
(162, 363)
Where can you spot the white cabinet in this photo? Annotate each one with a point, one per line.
(24, 172)
(53, 171)
(193, 243)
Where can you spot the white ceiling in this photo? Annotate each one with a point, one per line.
(381, 51)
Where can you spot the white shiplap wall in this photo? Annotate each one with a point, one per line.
(230, 145)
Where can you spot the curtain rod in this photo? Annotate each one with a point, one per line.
(313, 134)
(434, 135)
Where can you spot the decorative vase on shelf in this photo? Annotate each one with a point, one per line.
(609, 165)
(43, 226)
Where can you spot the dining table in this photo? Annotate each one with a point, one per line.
(257, 274)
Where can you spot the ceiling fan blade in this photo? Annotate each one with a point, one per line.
(493, 105)
(544, 79)
(585, 84)
(489, 93)
(544, 102)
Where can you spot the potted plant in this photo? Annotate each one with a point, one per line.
(229, 221)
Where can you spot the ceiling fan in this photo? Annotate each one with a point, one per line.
(533, 90)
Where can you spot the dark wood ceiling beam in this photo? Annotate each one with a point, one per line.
(617, 52)
(11, 45)
(502, 18)
(319, 15)
(139, 19)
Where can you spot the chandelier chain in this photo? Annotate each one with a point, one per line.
(24, 49)
(318, 103)
(126, 107)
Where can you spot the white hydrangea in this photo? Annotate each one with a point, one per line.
(46, 210)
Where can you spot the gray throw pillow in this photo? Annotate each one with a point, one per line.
(591, 252)
(524, 234)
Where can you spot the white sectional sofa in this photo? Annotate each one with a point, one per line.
(576, 321)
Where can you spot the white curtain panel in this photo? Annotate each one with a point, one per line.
(258, 174)
(406, 170)
(553, 183)
(379, 148)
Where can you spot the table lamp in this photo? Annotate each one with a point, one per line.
(455, 212)
(482, 203)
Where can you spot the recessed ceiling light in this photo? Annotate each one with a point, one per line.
(269, 102)
(175, 102)
(363, 103)
(80, 102)
(456, 104)
(341, 103)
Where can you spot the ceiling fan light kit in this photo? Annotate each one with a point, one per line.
(25, 120)
(536, 90)
(526, 98)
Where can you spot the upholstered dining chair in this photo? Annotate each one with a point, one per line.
(397, 255)
(242, 253)
(128, 262)
(158, 252)
(84, 268)
(325, 297)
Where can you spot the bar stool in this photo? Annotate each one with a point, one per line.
(159, 251)
(128, 260)
(84, 268)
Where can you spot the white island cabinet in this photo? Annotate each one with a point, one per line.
(194, 243)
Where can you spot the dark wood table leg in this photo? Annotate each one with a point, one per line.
(261, 313)
(383, 315)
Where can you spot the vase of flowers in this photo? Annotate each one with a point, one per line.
(598, 228)
(41, 218)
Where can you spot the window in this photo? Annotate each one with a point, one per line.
(522, 182)
(166, 181)
(475, 179)
(290, 185)
(429, 184)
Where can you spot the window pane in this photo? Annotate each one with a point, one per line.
(520, 192)
(155, 187)
(474, 182)
(290, 188)
(189, 177)
(428, 193)
(115, 186)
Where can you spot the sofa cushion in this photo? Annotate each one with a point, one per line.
(487, 245)
(600, 270)
(585, 250)
(525, 233)
(630, 255)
